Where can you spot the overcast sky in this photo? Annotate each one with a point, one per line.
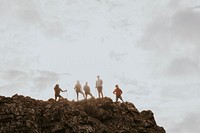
(150, 49)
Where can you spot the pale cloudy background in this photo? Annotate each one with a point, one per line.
(150, 48)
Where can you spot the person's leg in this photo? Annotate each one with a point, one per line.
(116, 98)
(77, 95)
(121, 98)
(55, 97)
(90, 94)
(60, 97)
(101, 93)
(82, 94)
(98, 91)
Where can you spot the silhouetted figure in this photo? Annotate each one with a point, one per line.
(118, 93)
(78, 89)
(99, 86)
(57, 91)
(86, 88)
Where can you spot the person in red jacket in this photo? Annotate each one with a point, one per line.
(118, 92)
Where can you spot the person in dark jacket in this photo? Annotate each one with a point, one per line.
(57, 91)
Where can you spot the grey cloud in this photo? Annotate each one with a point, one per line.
(196, 7)
(52, 74)
(33, 14)
(48, 73)
(14, 79)
(183, 67)
(175, 39)
(185, 26)
(117, 56)
(29, 16)
(140, 90)
(42, 82)
(166, 31)
(156, 37)
(9, 50)
(174, 4)
(137, 87)
(28, 11)
(13, 87)
(52, 28)
(45, 79)
(123, 79)
(14, 75)
(190, 124)
(21, 11)
(184, 91)
(37, 80)
(110, 4)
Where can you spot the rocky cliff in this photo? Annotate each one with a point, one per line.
(19, 114)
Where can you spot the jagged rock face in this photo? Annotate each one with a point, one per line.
(20, 114)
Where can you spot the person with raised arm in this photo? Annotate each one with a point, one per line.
(57, 91)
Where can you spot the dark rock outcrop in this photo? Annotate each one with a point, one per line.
(20, 114)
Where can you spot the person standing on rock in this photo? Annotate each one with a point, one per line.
(78, 89)
(99, 86)
(57, 91)
(118, 92)
(86, 88)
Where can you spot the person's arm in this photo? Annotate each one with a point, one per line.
(114, 91)
(63, 90)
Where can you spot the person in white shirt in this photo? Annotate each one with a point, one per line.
(99, 86)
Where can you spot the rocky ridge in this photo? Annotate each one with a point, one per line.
(20, 114)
